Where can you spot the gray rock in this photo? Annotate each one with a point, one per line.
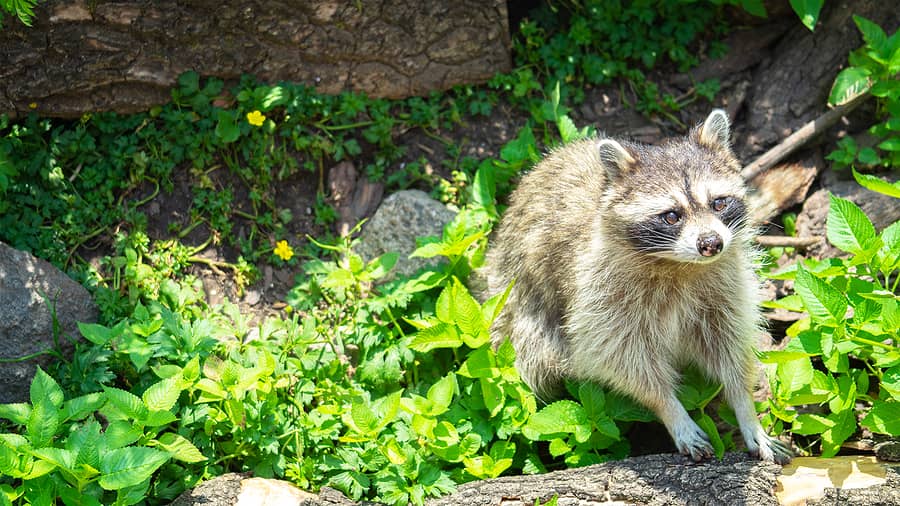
(238, 489)
(401, 218)
(26, 322)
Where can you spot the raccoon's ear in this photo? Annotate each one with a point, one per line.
(716, 130)
(616, 159)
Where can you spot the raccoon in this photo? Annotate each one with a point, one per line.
(630, 261)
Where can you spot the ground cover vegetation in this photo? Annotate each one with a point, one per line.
(384, 390)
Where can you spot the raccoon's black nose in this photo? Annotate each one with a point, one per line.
(709, 245)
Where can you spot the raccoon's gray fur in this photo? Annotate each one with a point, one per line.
(630, 261)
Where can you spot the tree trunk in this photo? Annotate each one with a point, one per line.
(85, 56)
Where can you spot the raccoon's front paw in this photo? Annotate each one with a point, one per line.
(692, 441)
(769, 449)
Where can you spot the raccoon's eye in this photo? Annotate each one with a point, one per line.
(671, 217)
(720, 204)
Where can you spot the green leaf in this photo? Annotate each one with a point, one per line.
(823, 301)
(98, 334)
(85, 441)
(848, 228)
(379, 267)
(706, 423)
(568, 132)
(480, 364)
(162, 395)
(558, 419)
(79, 407)
(844, 427)
(226, 128)
(17, 413)
(441, 335)
(883, 418)
(809, 424)
(45, 389)
(795, 374)
(121, 433)
(492, 394)
(755, 7)
(43, 422)
(125, 467)
(877, 184)
(849, 84)
(125, 404)
(59, 457)
(873, 34)
(492, 307)
(807, 11)
(465, 311)
(180, 448)
(441, 393)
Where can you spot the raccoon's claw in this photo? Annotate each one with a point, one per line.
(773, 450)
(693, 442)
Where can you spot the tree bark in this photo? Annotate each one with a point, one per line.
(82, 56)
(652, 480)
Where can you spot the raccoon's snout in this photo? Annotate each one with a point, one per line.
(710, 244)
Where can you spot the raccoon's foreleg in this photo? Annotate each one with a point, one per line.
(653, 384)
(689, 438)
(758, 443)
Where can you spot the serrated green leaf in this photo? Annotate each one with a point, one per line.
(85, 442)
(795, 374)
(79, 407)
(480, 364)
(465, 311)
(121, 433)
(125, 404)
(442, 335)
(883, 418)
(822, 301)
(180, 448)
(162, 395)
(847, 227)
(873, 34)
(877, 184)
(568, 132)
(43, 422)
(559, 418)
(844, 427)
(809, 424)
(45, 389)
(59, 457)
(17, 413)
(125, 467)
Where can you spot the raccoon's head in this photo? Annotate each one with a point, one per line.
(683, 200)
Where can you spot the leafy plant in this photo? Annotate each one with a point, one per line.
(843, 357)
(873, 69)
(22, 9)
(594, 42)
(64, 451)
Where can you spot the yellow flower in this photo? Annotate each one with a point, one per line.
(256, 118)
(283, 250)
(32, 105)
